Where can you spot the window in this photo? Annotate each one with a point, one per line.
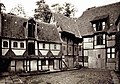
(111, 53)
(100, 39)
(31, 28)
(51, 62)
(70, 48)
(15, 44)
(99, 56)
(43, 62)
(99, 26)
(103, 25)
(21, 45)
(94, 26)
(55, 46)
(5, 44)
(43, 46)
(31, 48)
(79, 48)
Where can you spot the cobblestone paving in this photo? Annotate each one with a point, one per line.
(83, 76)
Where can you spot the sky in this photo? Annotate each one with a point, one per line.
(80, 5)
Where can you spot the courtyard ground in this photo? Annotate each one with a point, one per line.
(82, 76)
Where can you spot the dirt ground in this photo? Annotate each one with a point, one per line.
(83, 76)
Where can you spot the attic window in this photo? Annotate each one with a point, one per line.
(5, 20)
(99, 26)
(21, 45)
(54, 46)
(5, 44)
(43, 46)
(15, 44)
(31, 28)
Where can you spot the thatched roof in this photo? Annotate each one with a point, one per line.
(14, 27)
(47, 32)
(84, 22)
(67, 24)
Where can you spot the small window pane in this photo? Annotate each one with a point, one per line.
(85, 53)
(43, 62)
(39, 62)
(108, 55)
(103, 23)
(5, 44)
(51, 62)
(70, 48)
(113, 49)
(108, 50)
(15, 44)
(12, 63)
(55, 46)
(94, 25)
(43, 45)
(21, 45)
(113, 55)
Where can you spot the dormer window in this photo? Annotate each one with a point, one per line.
(31, 28)
(99, 22)
(99, 26)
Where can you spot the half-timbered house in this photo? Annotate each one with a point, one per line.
(70, 38)
(97, 26)
(28, 45)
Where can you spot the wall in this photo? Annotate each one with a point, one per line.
(96, 58)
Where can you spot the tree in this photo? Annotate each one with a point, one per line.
(57, 8)
(2, 7)
(66, 9)
(18, 10)
(43, 12)
(69, 10)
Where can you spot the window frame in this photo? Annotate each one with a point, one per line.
(99, 25)
(55, 46)
(43, 45)
(4, 46)
(15, 44)
(43, 62)
(110, 52)
(22, 45)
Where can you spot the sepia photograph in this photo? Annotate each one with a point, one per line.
(59, 41)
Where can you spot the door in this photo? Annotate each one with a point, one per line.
(31, 48)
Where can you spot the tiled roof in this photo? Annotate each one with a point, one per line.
(84, 24)
(14, 27)
(67, 24)
(47, 32)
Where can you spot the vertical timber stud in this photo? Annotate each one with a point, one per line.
(41, 64)
(0, 46)
(29, 65)
(0, 33)
(59, 64)
(1, 22)
(82, 54)
(106, 51)
(73, 53)
(38, 64)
